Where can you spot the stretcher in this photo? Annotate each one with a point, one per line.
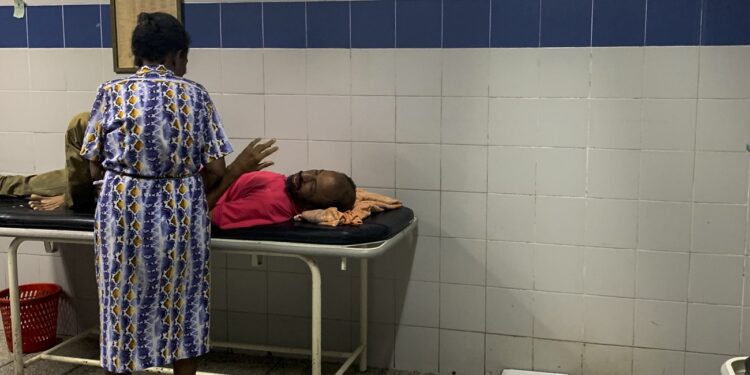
(302, 241)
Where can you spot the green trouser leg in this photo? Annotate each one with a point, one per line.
(46, 184)
(80, 193)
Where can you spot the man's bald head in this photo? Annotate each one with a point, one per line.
(314, 189)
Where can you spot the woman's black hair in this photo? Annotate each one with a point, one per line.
(156, 36)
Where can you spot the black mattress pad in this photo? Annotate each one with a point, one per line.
(15, 213)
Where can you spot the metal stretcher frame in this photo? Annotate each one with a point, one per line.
(301, 251)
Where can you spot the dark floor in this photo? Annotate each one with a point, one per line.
(218, 361)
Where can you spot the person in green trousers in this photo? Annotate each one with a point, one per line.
(71, 186)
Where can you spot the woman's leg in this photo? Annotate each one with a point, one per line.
(187, 366)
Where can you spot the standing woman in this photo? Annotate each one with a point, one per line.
(156, 140)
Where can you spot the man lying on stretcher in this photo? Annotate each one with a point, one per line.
(252, 198)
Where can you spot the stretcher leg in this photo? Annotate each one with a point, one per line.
(15, 305)
(363, 315)
(316, 315)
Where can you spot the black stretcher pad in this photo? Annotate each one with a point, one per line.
(15, 213)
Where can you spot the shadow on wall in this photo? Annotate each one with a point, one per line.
(79, 306)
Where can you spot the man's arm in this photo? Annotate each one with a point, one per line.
(96, 169)
(250, 159)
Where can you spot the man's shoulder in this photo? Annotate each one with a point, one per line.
(264, 175)
(259, 179)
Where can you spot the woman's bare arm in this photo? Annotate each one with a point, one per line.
(252, 158)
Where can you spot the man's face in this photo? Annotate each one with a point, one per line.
(316, 188)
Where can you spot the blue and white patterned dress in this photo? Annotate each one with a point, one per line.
(153, 132)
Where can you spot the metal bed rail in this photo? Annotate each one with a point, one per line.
(301, 251)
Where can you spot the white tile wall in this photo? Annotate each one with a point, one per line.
(417, 348)
(374, 118)
(463, 261)
(79, 63)
(205, 69)
(44, 76)
(713, 328)
(510, 265)
(715, 279)
(465, 120)
(666, 176)
(664, 226)
(670, 72)
(722, 125)
(660, 324)
(721, 177)
(512, 170)
(562, 122)
(285, 71)
(559, 356)
(374, 164)
(564, 72)
(463, 215)
(699, 363)
(512, 122)
(507, 352)
(419, 72)
(418, 119)
(48, 120)
(48, 143)
(242, 71)
(329, 118)
(462, 307)
(614, 173)
(617, 72)
(516, 227)
(461, 352)
(611, 223)
(16, 106)
(558, 316)
(558, 268)
(669, 124)
(609, 272)
(617, 360)
(463, 168)
(373, 72)
(662, 275)
(466, 72)
(420, 262)
(328, 72)
(567, 179)
(243, 116)
(616, 123)
(286, 116)
(419, 303)
(17, 58)
(561, 171)
(723, 73)
(426, 205)
(516, 309)
(514, 73)
(560, 220)
(335, 156)
(658, 362)
(608, 320)
(719, 229)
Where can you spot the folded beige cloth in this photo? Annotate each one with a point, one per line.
(365, 204)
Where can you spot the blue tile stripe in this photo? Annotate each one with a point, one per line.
(408, 24)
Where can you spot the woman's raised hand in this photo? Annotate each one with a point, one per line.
(252, 158)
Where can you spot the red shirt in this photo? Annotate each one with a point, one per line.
(256, 198)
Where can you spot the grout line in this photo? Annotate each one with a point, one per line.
(692, 210)
(487, 186)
